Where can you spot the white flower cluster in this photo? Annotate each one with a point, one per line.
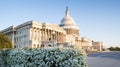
(44, 57)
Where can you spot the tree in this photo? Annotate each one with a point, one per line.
(111, 48)
(114, 48)
(4, 41)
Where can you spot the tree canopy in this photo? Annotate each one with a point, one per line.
(4, 41)
(114, 48)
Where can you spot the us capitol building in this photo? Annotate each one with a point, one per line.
(36, 35)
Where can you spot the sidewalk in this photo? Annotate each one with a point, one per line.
(102, 62)
(106, 59)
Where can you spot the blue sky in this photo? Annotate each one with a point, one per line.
(98, 20)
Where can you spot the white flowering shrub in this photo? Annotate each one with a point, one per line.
(44, 57)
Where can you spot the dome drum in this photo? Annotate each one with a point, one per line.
(72, 31)
(68, 24)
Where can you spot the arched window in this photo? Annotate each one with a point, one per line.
(49, 45)
(42, 45)
(38, 46)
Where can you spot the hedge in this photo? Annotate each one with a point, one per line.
(42, 57)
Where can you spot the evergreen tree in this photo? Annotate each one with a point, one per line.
(4, 41)
(114, 48)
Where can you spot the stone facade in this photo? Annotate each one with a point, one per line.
(33, 34)
(98, 46)
(36, 35)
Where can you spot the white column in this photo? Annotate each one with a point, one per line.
(13, 38)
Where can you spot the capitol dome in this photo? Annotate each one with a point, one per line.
(68, 21)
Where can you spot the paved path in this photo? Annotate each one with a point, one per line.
(104, 59)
